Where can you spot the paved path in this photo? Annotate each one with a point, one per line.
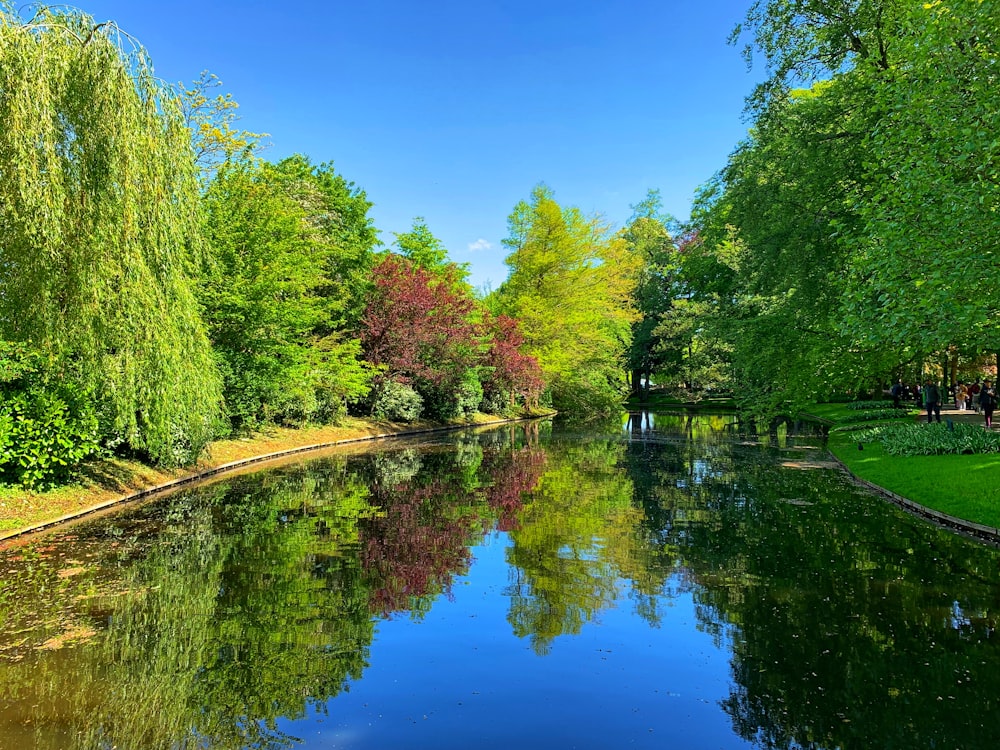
(948, 411)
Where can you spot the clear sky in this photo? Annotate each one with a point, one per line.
(454, 110)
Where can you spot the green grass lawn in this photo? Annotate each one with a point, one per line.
(964, 486)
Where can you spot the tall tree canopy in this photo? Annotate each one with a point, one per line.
(852, 220)
(571, 283)
(264, 294)
(99, 227)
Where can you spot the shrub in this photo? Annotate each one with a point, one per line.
(870, 405)
(448, 400)
(499, 403)
(396, 402)
(469, 395)
(912, 439)
(48, 425)
(875, 415)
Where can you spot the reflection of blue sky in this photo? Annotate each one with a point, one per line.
(460, 678)
(702, 470)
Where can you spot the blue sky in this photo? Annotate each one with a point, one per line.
(454, 111)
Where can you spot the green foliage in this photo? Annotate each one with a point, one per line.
(99, 229)
(570, 286)
(499, 403)
(338, 212)
(454, 402)
(845, 229)
(934, 173)
(211, 120)
(875, 415)
(648, 238)
(396, 402)
(869, 405)
(48, 425)
(912, 439)
(427, 252)
(265, 298)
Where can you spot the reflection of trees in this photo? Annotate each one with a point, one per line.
(417, 543)
(864, 640)
(843, 635)
(205, 620)
(513, 471)
(428, 521)
(573, 538)
(200, 622)
(232, 610)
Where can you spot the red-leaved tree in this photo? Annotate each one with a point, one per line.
(507, 373)
(417, 326)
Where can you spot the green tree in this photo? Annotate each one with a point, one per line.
(648, 238)
(933, 215)
(786, 216)
(264, 297)
(99, 229)
(338, 210)
(862, 202)
(570, 286)
(212, 121)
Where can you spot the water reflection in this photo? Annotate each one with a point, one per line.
(240, 614)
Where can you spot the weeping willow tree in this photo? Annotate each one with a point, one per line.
(99, 228)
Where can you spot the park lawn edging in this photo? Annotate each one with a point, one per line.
(956, 491)
(204, 472)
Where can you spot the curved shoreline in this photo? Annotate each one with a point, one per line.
(212, 471)
(970, 528)
(978, 531)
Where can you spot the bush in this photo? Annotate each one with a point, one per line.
(396, 402)
(448, 401)
(912, 439)
(870, 405)
(875, 415)
(47, 424)
(469, 396)
(499, 403)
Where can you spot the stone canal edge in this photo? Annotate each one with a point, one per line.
(199, 476)
(976, 530)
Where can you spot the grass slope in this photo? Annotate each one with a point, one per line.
(964, 486)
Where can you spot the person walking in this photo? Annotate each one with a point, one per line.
(932, 400)
(897, 393)
(988, 403)
(961, 394)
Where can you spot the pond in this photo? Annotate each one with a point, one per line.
(662, 581)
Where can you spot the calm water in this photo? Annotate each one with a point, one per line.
(663, 582)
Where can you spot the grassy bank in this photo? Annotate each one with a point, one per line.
(111, 478)
(964, 486)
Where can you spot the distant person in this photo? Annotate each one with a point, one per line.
(988, 402)
(932, 400)
(974, 395)
(897, 393)
(961, 396)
